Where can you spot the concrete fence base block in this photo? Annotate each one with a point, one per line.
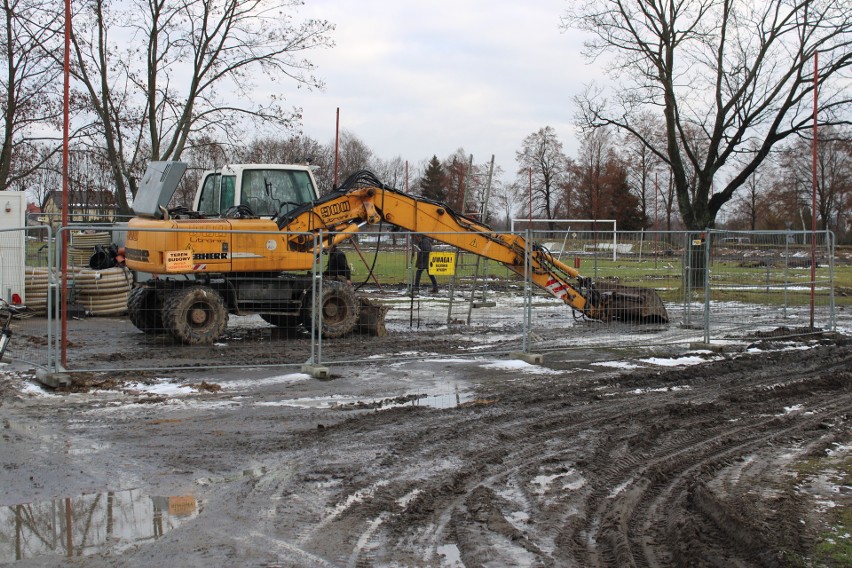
(531, 358)
(316, 371)
(52, 379)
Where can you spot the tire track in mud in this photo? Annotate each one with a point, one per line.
(647, 494)
(435, 499)
(589, 474)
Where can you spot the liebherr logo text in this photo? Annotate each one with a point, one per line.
(334, 209)
(210, 256)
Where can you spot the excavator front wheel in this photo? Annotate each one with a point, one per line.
(195, 315)
(337, 311)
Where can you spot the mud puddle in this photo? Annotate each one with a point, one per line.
(95, 523)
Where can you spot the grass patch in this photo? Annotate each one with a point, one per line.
(835, 545)
(834, 542)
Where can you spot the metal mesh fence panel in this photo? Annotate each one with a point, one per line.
(764, 283)
(629, 264)
(303, 312)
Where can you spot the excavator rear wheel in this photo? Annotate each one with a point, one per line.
(195, 315)
(338, 310)
(144, 310)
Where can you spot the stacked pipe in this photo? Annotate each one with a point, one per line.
(35, 290)
(99, 292)
(83, 244)
(103, 292)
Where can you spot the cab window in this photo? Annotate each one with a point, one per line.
(272, 192)
(209, 200)
(217, 194)
(227, 198)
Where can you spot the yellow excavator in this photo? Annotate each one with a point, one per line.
(252, 238)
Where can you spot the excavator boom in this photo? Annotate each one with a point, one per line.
(343, 212)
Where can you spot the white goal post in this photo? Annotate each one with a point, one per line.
(569, 221)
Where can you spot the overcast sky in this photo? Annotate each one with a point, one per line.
(416, 79)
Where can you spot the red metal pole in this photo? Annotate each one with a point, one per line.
(65, 189)
(336, 144)
(814, 191)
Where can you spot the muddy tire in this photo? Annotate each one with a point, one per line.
(338, 312)
(195, 315)
(144, 310)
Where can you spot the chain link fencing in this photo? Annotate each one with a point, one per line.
(716, 286)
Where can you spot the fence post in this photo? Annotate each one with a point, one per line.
(687, 284)
(316, 301)
(830, 245)
(527, 290)
(786, 269)
(313, 366)
(707, 243)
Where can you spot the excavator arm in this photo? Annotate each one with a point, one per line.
(343, 212)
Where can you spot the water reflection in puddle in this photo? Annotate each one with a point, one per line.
(446, 400)
(99, 523)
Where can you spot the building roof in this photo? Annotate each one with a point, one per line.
(94, 199)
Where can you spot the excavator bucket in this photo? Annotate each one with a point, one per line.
(631, 303)
(371, 318)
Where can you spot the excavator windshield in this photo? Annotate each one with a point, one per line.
(266, 192)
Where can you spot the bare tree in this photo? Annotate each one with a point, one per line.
(292, 150)
(541, 156)
(724, 74)
(643, 164)
(154, 73)
(508, 201)
(391, 172)
(834, 177)
(30, 89)
(353, 155)
(748, 204)
(457, 168)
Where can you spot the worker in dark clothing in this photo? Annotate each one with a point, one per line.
(337, 266)
(423, 246)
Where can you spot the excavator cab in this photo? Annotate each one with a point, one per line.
(256, 190)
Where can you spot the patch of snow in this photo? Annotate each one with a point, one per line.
(518, 365)
(315, 402)
(450, 556)
(675, 362)
(407, 498)
(662, 389)
(614, 493)
(617, 364)
(161, 388)
(253, 383)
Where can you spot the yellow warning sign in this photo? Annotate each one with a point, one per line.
(442, 263)
(178, 260)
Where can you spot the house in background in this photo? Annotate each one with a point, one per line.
(33, 214)
(83, 207)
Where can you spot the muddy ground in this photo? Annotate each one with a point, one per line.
(739, 458)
